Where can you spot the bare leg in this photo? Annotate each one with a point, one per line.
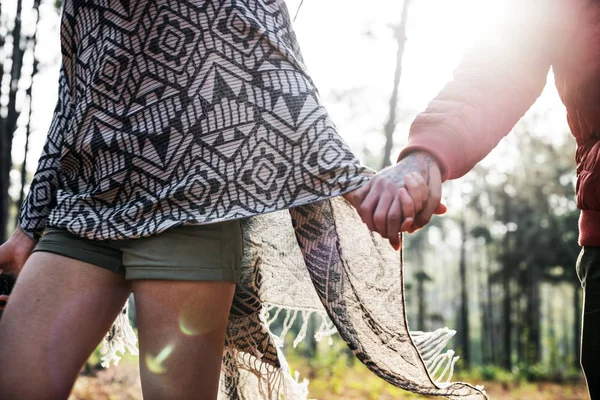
(182, 333)
(59, 310)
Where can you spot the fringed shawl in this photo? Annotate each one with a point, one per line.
(321, 259)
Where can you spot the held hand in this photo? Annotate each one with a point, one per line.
(400, 198)
(15, 251)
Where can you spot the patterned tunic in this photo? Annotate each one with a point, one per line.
(191, 111)
(181, 112)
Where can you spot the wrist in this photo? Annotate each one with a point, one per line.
(429, 153)
(421, 161)
(22, 240)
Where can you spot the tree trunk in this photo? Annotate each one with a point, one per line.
(464, 300)
(485, 329)
(487, 335)
(9, 123)
(390, 125)
(4, 183)
(33, 43)
(422, 307)
(533, 349)
(506, 301)
(577, 325)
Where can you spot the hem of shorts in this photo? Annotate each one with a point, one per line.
(181, 274)
(66, 251)
(364, 178)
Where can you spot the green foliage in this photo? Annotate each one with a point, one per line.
(534, 373)
(92, 365)
(489, 373)
(518, 375)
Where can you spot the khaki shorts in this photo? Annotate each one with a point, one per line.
(210, 252)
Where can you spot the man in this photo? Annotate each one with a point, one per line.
(494, 85)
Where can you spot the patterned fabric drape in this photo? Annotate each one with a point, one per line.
(321, 259)
(178, 112)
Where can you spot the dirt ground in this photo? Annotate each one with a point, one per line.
(123, 383)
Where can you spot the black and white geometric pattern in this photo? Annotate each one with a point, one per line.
(193, 111)
(181, 112)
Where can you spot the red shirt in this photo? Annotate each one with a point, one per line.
(501, 77)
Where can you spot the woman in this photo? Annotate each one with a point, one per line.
(175, 119)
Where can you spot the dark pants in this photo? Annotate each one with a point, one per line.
(588, 269)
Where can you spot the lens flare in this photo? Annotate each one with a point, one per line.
(196, 319)
(186, 328)
(155, 364)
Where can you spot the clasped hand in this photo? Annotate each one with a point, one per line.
(13, 254)
(400, 198)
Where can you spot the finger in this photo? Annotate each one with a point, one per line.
(350, 198)
(441, 209)
(408, 208)
(417, 189)
(407, 225)
(380, 216)
(413, 228)
(367, 207)
(359, 195)
(435, 195)
(3, 301)
(394, 218)
(421, 222)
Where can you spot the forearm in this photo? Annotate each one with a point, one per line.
(416, 161)
(494, 85)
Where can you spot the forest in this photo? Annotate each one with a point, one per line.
(499, 268)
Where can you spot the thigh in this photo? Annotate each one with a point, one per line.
(181, 328)
(59, 310)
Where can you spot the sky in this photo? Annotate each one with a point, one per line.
(354, 71)
(350, 52)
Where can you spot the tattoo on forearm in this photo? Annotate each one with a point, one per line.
(418, 161)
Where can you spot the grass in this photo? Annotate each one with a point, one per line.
(333, 376)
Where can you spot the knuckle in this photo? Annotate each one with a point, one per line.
(364, 208)
(419, 202)
(387, 185)
(411, 184)
(420, 178)
(379, 219)
(395, 216)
